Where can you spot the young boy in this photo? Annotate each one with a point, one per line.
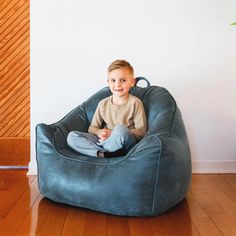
(119, 120)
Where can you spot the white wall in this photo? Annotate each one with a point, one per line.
(186, 46)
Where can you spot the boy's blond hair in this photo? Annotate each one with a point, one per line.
(117, 64)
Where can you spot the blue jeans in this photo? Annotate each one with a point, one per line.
(88, 144)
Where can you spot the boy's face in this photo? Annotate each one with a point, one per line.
(120, 81)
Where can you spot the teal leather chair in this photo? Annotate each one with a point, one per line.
(150, 179)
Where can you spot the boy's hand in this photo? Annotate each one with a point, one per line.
(104, 134)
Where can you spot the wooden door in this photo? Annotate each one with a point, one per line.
(14, 82)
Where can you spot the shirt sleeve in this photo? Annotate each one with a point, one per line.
(140, 121)
(97, 121)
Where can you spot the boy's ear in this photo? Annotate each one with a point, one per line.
(134, 82)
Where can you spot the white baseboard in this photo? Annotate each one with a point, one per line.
(214, 166)
(32, 168)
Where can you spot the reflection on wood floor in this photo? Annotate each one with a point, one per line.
(209, 209)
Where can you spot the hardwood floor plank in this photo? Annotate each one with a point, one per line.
(54, 220)
(208, 180)
(222, 192)
(10, 177)
(223, 201)
(75, 222)
(176, 222)
(35, 218)
(95, 224)
(231, 178)
(11, 188)
(117, 226)
(18, 212)
(222, 220)
(181, 221)
(30, 223)
(162, 226)
(229, 186)
(202, 221)
(140, 226)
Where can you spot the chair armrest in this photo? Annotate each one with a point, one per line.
(44, 138)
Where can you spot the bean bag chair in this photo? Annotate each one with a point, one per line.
(150, 179)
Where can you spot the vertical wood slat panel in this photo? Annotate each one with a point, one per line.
(14, 68)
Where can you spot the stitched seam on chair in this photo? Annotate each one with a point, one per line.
(172, 127)
(173, 119)
(88, 162)
(37, 161)
(155, 194)
(169, 133)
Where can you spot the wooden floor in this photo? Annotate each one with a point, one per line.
(209, 209)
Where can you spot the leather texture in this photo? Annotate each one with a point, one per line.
(150, 179)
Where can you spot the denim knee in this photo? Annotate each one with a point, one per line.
(124, 136)
(122, 130)
(71, 136)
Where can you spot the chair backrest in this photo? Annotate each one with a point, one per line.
(160, 108)
(163, 115)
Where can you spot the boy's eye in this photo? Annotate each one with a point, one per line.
(114, 80)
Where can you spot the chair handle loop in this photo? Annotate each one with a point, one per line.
(142, 78)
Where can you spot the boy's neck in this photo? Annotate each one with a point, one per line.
(120, 100)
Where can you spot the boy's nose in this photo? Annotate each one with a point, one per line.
(118, 82)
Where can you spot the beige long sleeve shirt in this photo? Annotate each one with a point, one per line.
(131, 114)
